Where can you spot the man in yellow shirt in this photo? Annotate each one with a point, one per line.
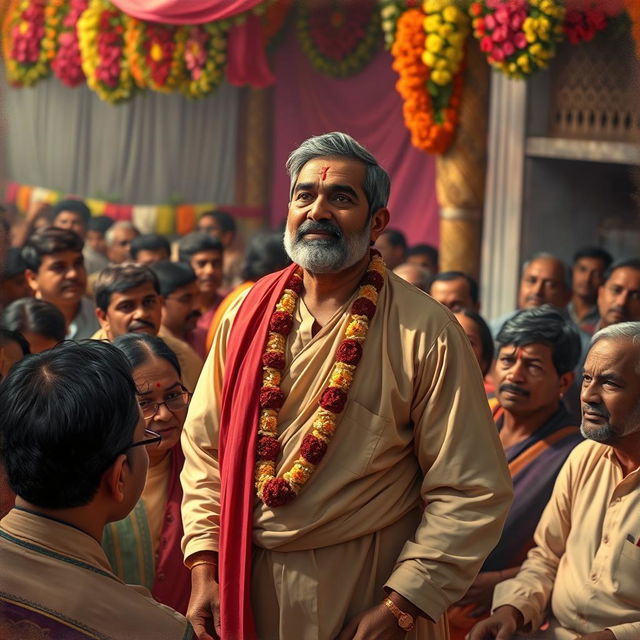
(583, 571)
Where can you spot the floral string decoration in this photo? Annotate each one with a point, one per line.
(582, 25)
(67, 63)
(204, 56)
(518, 36)
(28, 52)
(340, 40)
(390, 11)
(432, 126)
(274, 490)
(101, 30)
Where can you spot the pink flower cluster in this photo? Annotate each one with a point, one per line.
(583, 25)
(110, 43)
(27, 34)
(67, 65)
(500, 29)
(195, 54)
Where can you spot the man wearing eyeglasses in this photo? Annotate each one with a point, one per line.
(73, 441)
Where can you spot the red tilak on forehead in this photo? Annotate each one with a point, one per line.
(519, 353)
(324, 173)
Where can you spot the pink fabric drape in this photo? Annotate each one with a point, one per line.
(181, 12)
(366, 106)
(246, 59)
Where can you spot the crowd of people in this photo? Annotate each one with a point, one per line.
(319, 437)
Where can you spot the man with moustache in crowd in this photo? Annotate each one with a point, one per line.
(379, 536)
(55, 272)
(128, 300)
(582, 575)
(619, 296)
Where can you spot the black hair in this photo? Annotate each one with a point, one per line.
(119, 278)
(631, 263)
(172, 275)
(31, 315)
(486, 339)
(265, 254)
(395, 237)
(101, 224)
(75, 206)
(14, 265)
(196, 242)
(224, 219)
(149, 242)
(65, 416)
(544, 325)
(47, 242)
(8, 335)
(448, 276)
(424, 250)
(138, 348)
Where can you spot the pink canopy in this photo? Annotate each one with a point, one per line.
(181, 12)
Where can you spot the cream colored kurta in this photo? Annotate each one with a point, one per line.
(56, 571)
(416, 430)
(586, 561)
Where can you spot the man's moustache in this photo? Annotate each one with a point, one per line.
(513, 387)
(141, 324)
(193, 315)
(70, 283)
(312, 226)
(603, 413)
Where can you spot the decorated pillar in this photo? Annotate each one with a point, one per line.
(460, 178)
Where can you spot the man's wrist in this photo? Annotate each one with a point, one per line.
(405, 605)
(202, 558)
(516, 614)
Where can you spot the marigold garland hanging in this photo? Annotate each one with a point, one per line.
(341, 39)
(204, 57)
(155, 54)
(518, 36)
(67, 63)
(28, 50)
(431, 129)
(101, 30)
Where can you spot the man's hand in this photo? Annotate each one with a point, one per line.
(605, 634)
(481, 592)
(377, 623)
(501, 625)
(204, 605)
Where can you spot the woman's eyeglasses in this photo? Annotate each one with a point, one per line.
(175, 401)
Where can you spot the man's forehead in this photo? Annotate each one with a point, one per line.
(531, 350)
(625, 274)
(134, 292)
(330, 167)
(61, 255)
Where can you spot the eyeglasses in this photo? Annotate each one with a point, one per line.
(152, 440)
(176, 401)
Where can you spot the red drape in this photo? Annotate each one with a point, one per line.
(366, 106)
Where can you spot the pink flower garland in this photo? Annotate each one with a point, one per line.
(67, 65)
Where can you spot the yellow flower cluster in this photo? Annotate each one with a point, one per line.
(446, 27)
(265, 471)
(299, 474)
(377, 264)
(342, 375)
(268, 423)
(287, 303)
(369, 292)
(270, 377)
(357, 328)
(276, 342)
(324, 425)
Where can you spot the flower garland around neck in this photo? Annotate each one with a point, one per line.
(274, 490)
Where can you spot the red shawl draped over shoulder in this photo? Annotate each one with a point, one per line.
(237, 449)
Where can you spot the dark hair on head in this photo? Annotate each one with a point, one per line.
(75, 206)
(119, 278)
(544, 325)
(265, 255)
(149, 242)
(396, 238)
(594, 252)
(197, 242)
(101, 224)
(139, 348)
(486, 339)
(31, 315)
(47, 242)
(13, 265)
(172, 275)
(9, 335)
(631, 263)
(424, 250)
(224, 219)
(65, 416)
(448, 276)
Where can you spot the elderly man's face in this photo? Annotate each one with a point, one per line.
(454, 294)
(610, 394)
(137, 310)
(619, 297)
(328, 225)
(119, 250)
(543, 282)
(527, 381)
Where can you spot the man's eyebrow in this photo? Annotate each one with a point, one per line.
(304, 186)
(343, 188)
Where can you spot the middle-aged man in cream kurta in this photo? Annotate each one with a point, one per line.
(413, 491)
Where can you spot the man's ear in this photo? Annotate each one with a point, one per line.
(566, 380)
(115, 478)
(379, 222)
(103, 319)
(32, 279)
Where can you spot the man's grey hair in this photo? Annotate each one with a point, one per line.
(377, 184)
(109, 236)
(543, 255)
(621, 331)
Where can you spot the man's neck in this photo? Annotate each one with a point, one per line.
(207, 300)
(69, 310)
(628, 454)
(176, 333)
(516, 428)
(325, 293)
(582, 306)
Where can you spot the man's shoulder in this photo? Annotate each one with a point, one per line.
(587, 458)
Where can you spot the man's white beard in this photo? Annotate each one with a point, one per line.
(327, 255)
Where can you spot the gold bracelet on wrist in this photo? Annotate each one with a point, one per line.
(199, 562)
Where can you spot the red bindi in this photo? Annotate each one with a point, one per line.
(157, 385)
(324, 173)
